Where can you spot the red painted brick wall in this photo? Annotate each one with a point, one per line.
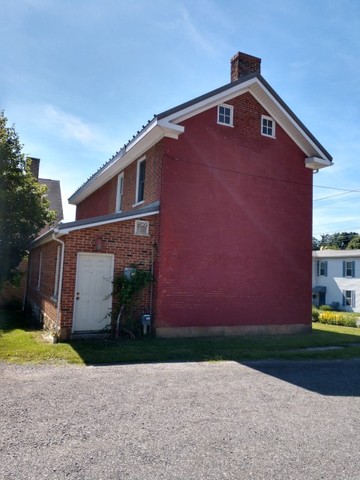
(235, 232)
(103, 201)
(42, 294)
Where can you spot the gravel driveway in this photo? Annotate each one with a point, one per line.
(264, 420)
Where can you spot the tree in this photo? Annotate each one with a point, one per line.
(354, 243)
(337, 241)
(24, 209)
(315, 243)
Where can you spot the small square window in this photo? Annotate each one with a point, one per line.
(267, 126)
(141, 228)
(225, 115)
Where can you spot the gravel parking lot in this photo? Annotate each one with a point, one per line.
(263, 420)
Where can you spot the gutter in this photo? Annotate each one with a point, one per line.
(58, 306)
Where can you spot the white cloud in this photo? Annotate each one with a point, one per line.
(48, 120)
(70, 126)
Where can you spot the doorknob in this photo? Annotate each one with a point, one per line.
(77, 295)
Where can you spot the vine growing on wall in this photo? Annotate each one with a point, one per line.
(126, 287)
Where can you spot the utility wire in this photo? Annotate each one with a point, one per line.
(262, 177)
(332, 196)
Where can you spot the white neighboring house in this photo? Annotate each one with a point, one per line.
(336, 279)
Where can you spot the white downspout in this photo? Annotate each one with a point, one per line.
(58, 306)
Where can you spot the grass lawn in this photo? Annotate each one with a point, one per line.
(19, 343)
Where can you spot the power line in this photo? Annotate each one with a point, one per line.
(347, 190)
(263, 177)
(332, 196)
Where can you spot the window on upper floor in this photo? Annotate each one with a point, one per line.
(225, 115)
(349, 269)
(321, 268)
(267, 126)
(140, 181)
(119, 192)
(349, 298)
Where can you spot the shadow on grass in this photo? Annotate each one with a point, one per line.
(258, 352)
(12, 320)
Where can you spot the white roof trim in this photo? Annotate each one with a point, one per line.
(149, 137)
(336, 253)
(105, 222)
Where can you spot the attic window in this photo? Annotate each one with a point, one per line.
(141, 228)
(267, 126)
(225, 115)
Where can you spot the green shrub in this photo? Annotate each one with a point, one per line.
(338, 318)
(315, 314)
(326, 308)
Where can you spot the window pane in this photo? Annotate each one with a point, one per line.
(141, 180)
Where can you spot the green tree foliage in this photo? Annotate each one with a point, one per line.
(337, 241)
(315, 244)
(23, 205)
(354, 243)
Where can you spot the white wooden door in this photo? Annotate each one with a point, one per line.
(92, 303)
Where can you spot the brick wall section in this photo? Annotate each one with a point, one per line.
(236, 236)
(103, 201)
(41, 297)
(117, 238)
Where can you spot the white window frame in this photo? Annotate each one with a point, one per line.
(57, 272)
(266, 118)
(137, 201)
(229, 115)
(119, 192)
(349, 298)
(138, 223)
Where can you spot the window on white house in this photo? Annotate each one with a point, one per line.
(349, 298)
(39, 273)
(140, 180)
(321, 268)
(119, 192)
(349, 269)
(57, 272)
(225, 115)
(267, 126)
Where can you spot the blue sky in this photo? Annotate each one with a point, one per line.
(78, 78)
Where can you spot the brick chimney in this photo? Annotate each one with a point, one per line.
(34, 166)
(242, 64)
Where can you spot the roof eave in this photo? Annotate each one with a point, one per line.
(166, 124)
(145, 140)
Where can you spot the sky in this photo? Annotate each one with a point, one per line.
(78, 78)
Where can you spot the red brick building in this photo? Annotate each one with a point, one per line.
(212, 196)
